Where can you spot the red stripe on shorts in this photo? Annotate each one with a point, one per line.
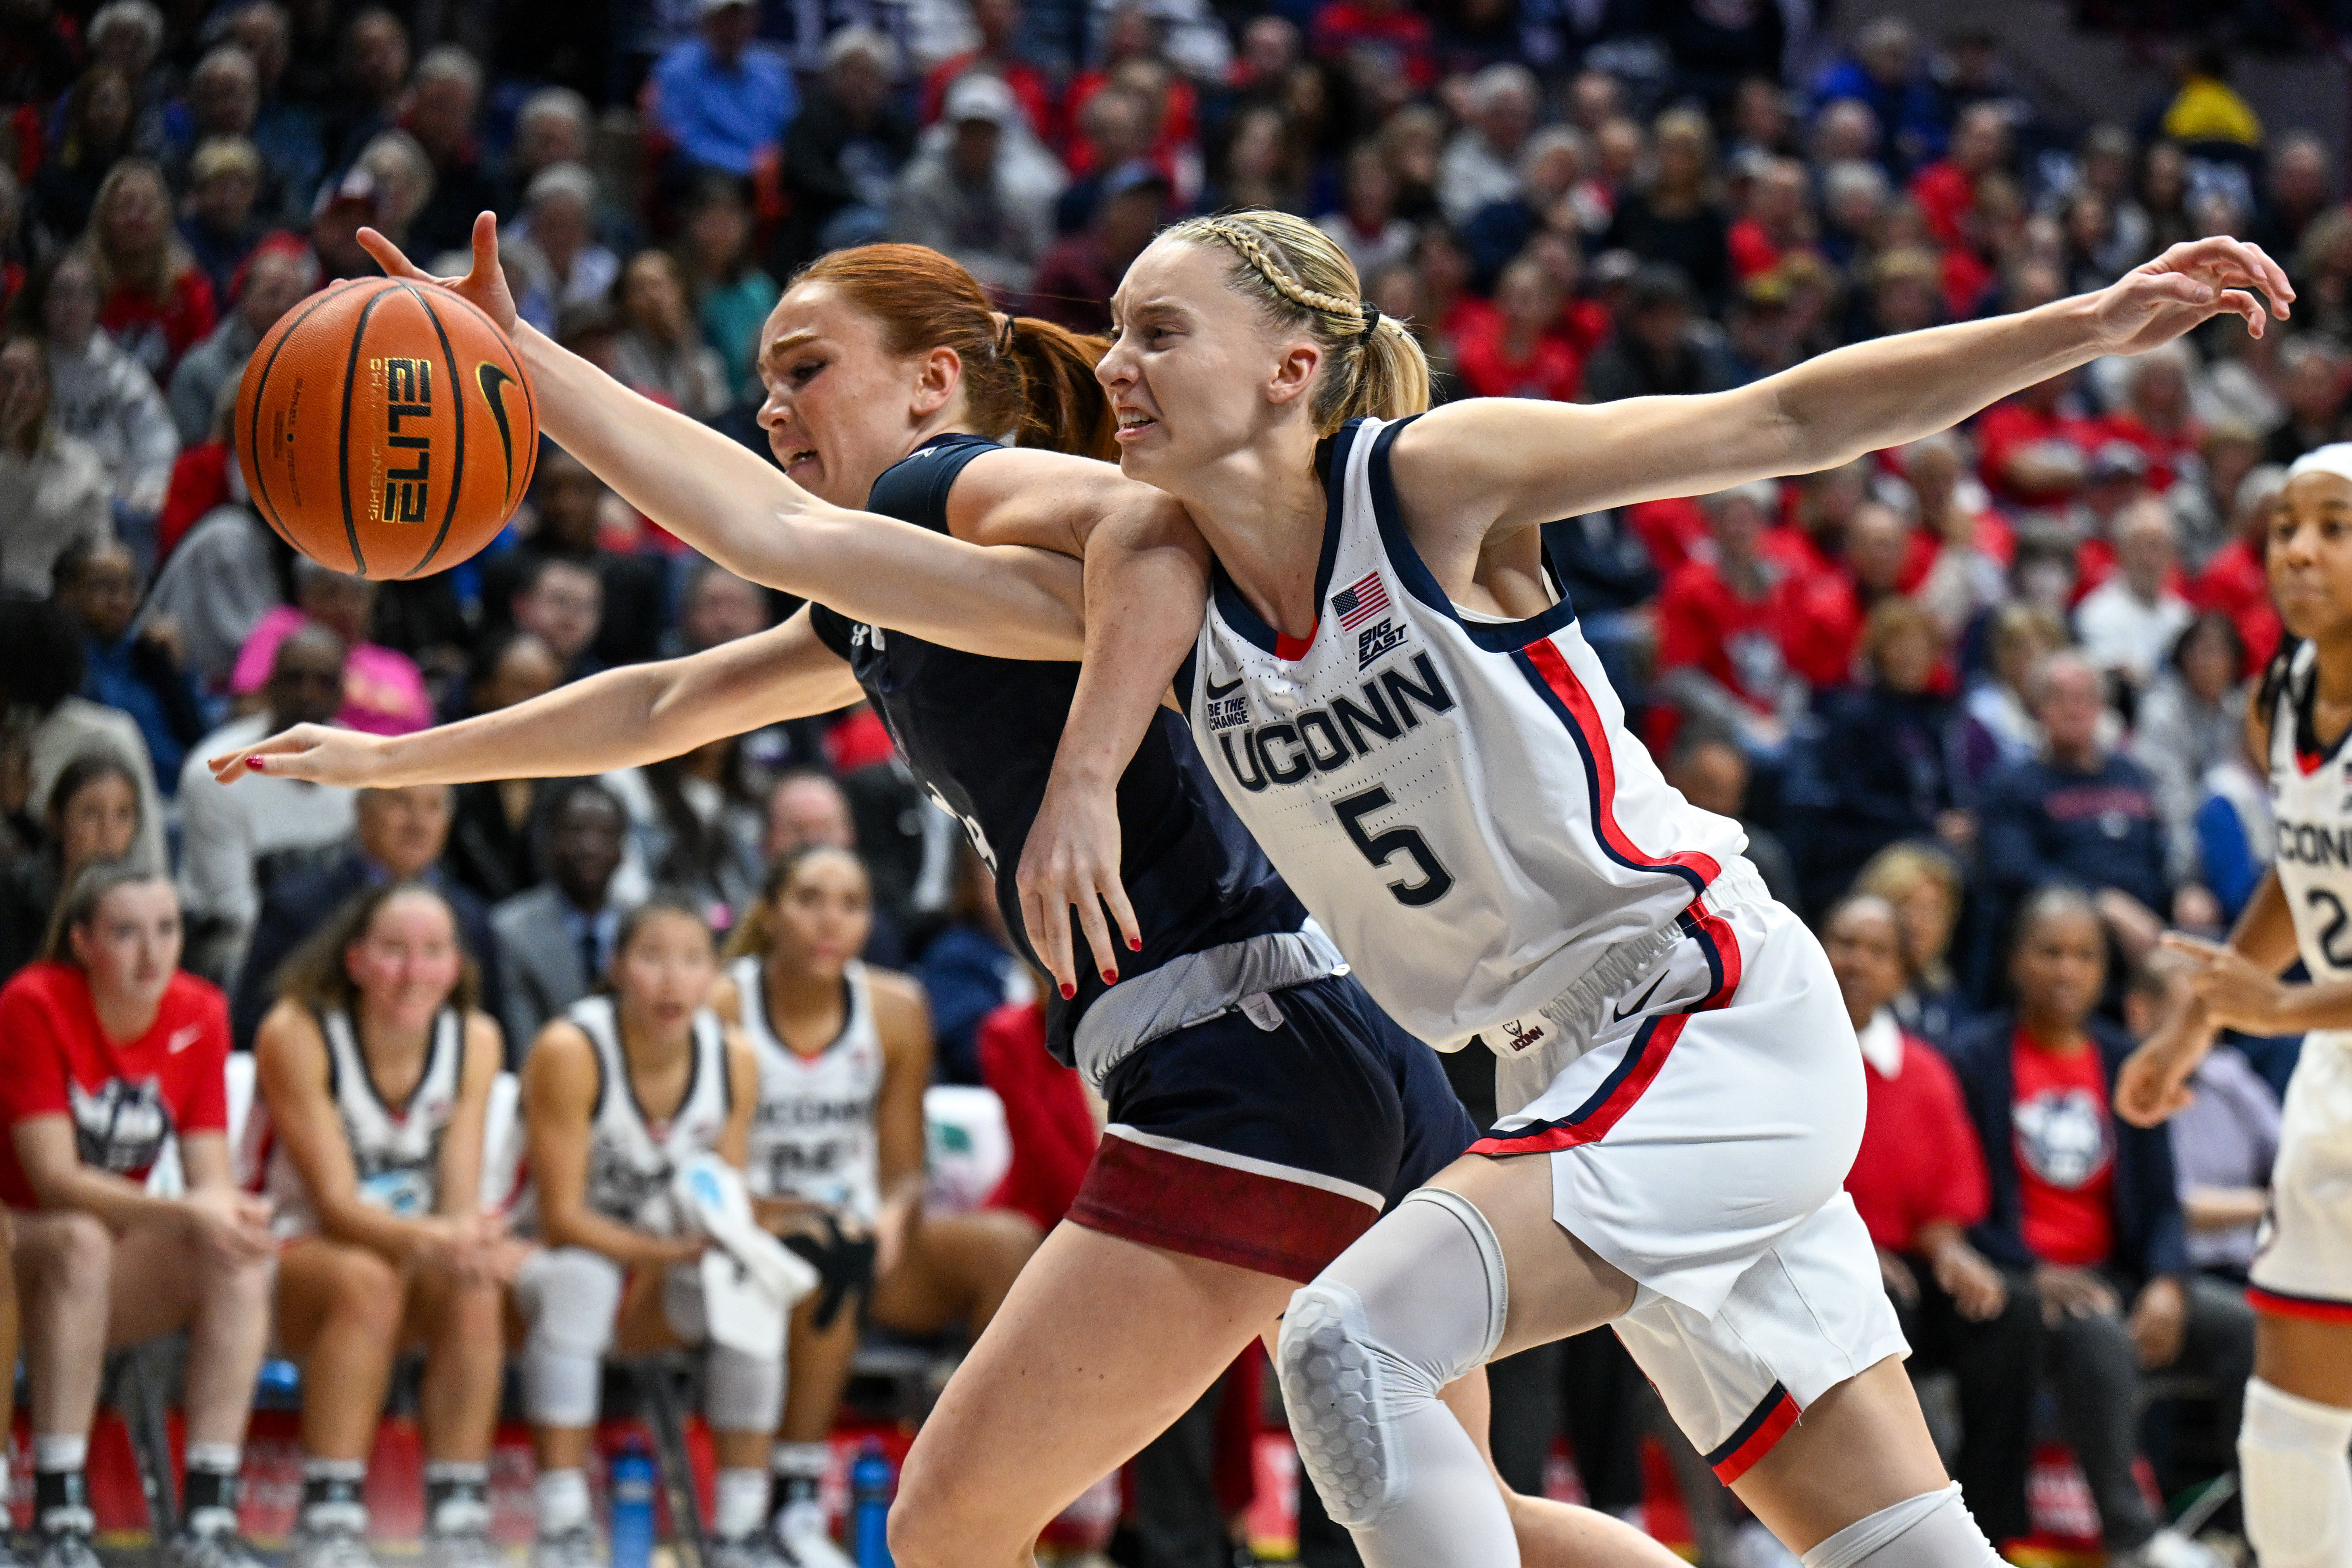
(1222, 1213)
(1754, 1439)
(2316, 1309)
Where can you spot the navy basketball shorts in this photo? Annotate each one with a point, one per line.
(1274, 1147)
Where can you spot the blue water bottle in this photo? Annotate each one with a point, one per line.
(630, 1530)
(872, 1478)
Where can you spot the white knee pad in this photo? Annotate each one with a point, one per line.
(1415, 1303)
(1934, 1529)
(571, 1296)
(2291, 1459)
(743, 1393)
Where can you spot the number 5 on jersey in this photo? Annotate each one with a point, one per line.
(1381, 848)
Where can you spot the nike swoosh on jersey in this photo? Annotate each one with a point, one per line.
(494, 383)
(181, 1039)
(1624, 1013)
(1215, 690)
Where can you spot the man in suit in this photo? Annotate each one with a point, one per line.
(398, 835)
(554, 941)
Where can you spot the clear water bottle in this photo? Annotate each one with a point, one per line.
(630, 1530)
(872, 1479)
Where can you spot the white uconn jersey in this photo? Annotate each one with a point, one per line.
(395, 1149)
(2310, 792)
(1457, 803)
(632, 1156)
(813, 1133)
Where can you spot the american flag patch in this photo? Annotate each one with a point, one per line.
(1361, 601)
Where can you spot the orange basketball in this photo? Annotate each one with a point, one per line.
(385, 428)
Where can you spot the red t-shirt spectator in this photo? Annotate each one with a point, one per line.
(1551, 370)
(1742, 642)
(1946, 195)
(157, 333)
(1341, 25)
(1671, 530)
(1752, 251)
(2065, 1152)
(2005, 428)
(2164, 452)
(2234, 582)
(125, 1099)
(1179, 127)
(1919, 1162)
(1032, 89)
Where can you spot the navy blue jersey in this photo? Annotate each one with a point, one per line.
(981, 735)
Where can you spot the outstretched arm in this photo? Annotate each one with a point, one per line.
(1500, 464)
(622, 718)
(739, 509)
(1147, 582)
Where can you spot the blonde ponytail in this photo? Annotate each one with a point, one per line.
(1372, 364)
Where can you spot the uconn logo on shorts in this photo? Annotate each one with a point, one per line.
(122, 1126)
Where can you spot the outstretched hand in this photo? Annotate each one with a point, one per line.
(317, 754)
(2187, 286)
(484, 286)
(1071, 860)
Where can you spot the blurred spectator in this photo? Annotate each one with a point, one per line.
(2224, 1142)
(2129, 622)
(844, 151)
(969, 971)
(154, 301)
(373, 74)
(2298, 188)
(1725, 625)
(996, 52)
(92, 817)
(1115, 126)
(100, 395)
(1079, 273)
(137, 672)
(218, 223)
(727, 292)
(54, 725)
(1390, 37)
(94, 131)
(661, 352)
(1947, 190)
(632, 609)
(722, 98)
(695, 823)
(440, 110)
(2087, 1205)
(552, 127)
(490, 849)
(2204, 504)
(1712, 774)
(2316, 373)
(277, 276)
(286, 133)
(2192, 718)
(2156, 416)
(1553, 193)
(2207, 108)
(1776, 220)
(394, 169)
(1658, 349)
(218, 582)
(2083, 816)
(1674, 220)
(384, 691)
(2034, 450)
(555, 940)
(2237, 838)
(1922, 883)
(1998, 726)
(1366, 226)
(240, 841)
(1880, 763)
(1919, 1183)
(807, 806)
(398, 835)
(1973, 544)
(1886, 75)
(1519, 349)
(557, 262)
(954, 196)
(561, 603)
(53, 488)
(1482, 161)
(2234, 580)
(716, 606)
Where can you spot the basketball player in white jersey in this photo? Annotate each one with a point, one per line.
(627, 1086)
(1394, 701)
(2298, 1420)
(836, 1167)
(375, 1071)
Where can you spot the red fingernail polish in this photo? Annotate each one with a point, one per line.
(1111, 977)
(1068, 990)
(1135, 945)
(256, 763)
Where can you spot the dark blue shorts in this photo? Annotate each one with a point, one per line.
(1272, 1149)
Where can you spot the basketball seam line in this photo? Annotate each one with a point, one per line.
(343, 457)
(457, 407)
(268, 509)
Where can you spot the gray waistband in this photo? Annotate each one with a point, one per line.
(1572, 1011)
(1195, 988)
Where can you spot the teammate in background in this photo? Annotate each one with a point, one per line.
(1443, 774)
(107, 1053)
(626, 1087)
(1263, 1111)
(836, 1169)
(2299, 1419)
(375, 1072)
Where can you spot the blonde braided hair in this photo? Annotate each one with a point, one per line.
(1300, 278)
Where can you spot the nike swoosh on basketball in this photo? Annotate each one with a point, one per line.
(1216, 690)
(181, 1039)
(494, 383)
(1624, 1013)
